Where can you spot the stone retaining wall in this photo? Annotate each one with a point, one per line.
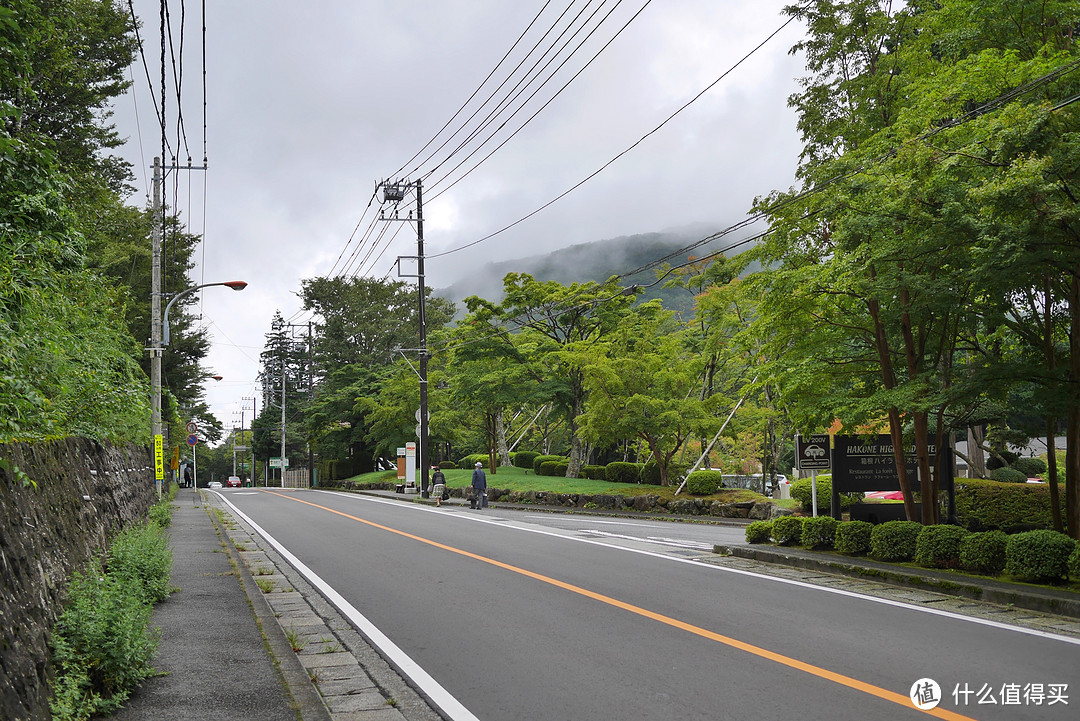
(85, 492)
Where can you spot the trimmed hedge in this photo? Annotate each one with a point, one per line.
(894, 540)
(984, 552)
(548, 468)
(853, 537)
(561, 468)
(1030, 467)
(939, 546)
(704, 482)
(444, 465)
(819, 532)
(787, 530)
(650, 472)
(622, 472)
(594, 473)
(1011, 507)
(524, 459)
(1039, 556)
(544, 459)
(802, 491)
(1074, 563)
(1008, 475)
(469, 461)
(759, 532)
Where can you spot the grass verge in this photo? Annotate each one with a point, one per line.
(517, 479)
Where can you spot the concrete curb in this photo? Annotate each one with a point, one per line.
(1061, 603)
(309, 704)
(335, 676)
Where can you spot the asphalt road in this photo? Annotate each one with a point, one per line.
(501, 615)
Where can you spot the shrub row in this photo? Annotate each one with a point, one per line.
(700, 483)
(102, 646)
(1010, 507)
(802, 491)
(1039, 556)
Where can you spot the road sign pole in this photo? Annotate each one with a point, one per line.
(813, 490)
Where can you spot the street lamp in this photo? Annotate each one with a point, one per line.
(234, 284)
(160, 339)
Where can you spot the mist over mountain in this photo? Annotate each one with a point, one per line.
(596, 261)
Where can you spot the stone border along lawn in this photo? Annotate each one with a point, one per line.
(515, 485)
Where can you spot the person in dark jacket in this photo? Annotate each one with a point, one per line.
(438, 483)
(479, 486)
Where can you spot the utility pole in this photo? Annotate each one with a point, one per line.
(281, 472)
(252, 441)
(424, 453)
(395, 192)
(156, 349)
(311, 395)
(311, 391)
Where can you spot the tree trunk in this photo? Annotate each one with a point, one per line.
(576, 448)
(976, 456)
(500, 440)
(1052, 474)
(489, 429)
(1051, 422)
(920, 419)
(1072, 428)
(896, 431)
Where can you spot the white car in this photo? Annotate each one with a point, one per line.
(214, 484)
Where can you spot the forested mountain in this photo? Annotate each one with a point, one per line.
(598, 261)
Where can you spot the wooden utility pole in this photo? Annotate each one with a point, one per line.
(155, 319)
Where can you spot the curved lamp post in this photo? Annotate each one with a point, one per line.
(234, 284)
(159, 341)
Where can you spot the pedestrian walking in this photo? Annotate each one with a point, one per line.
(438, 481)
(479, 486)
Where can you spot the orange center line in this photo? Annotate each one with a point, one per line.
(838, 678)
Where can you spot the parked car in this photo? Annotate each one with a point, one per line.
(233, 482)
(214, 484)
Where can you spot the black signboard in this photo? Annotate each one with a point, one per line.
(812, 452)
(869, 465)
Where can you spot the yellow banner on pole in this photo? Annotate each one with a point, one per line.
(175, 463)
(159, 458)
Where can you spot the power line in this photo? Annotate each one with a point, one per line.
(474, 93)
(973, 114)
(529, 79)
(634, 145)
(515, 92)
(542, 107)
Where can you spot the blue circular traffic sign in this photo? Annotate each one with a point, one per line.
(192, 439)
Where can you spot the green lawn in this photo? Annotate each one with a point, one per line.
(516, 479)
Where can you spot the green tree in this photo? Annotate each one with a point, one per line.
(885, 268)
(66, 360)
(641, 384)
(560, 328)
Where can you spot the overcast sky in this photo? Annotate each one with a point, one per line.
(307, 109)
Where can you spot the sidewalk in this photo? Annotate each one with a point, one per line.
(211, 655)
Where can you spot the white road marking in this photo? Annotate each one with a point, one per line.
(677, 542)
(517, 526)
(442, 698)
